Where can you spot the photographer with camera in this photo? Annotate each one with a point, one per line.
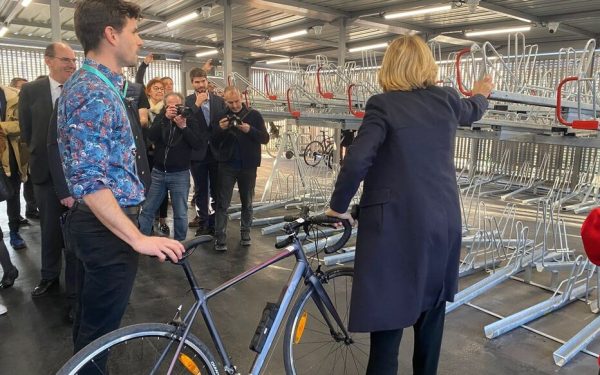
(175, 132)
(237, 142)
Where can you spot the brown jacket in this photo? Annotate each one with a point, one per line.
(12, 133)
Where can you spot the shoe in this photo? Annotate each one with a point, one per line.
(220, 246)
(195, 223)
(44, 287)
(35, 215)
(3, 309)
(23, 221)
(16, 241)
(245, 239)
(164, 229)
(8, 279)
(202, 231)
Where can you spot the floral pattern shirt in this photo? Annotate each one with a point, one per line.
(95, 139)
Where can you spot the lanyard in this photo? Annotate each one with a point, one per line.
(101, 75)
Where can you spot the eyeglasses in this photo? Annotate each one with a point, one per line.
(66, 60)
(156, 88)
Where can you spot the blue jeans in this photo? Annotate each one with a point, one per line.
(178, 183)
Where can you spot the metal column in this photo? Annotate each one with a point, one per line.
(228, 39)
(55, 20)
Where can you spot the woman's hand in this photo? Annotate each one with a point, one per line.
(483, 86)
(344, 216)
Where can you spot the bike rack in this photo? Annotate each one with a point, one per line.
(355, 113)
(554, 303)
(591, 124)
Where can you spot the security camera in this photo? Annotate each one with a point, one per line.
(552, 27)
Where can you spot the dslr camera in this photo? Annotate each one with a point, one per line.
(234, 120)
(184, 111)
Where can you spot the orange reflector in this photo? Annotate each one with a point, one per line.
(189, 364)
(300, 328)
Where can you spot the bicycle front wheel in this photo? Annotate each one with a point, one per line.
(310, 347)
(137, 349)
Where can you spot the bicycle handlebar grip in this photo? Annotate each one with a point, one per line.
(324, 219)
(284, 243)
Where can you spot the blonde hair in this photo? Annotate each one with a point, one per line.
(408, 64)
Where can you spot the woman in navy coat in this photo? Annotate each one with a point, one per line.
(409, 237)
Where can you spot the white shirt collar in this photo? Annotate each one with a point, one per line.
(53, 83)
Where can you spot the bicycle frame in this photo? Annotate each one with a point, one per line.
(301, 271)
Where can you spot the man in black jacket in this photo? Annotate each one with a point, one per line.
(174, 134)
(237, 142)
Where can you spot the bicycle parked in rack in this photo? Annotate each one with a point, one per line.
(316, 339)
(320, 150)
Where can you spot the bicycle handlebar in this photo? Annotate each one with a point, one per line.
(190, 246)
(304, 221)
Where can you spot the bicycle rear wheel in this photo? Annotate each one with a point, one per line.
(136, 349)
(309, 346)
(313, 153)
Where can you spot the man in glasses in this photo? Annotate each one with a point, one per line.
(36, 103)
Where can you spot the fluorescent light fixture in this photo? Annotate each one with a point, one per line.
(207, 53)
(277, 61)
(288, 35)
(515, 17)
(25, 3)
(3, 31)
(370, 46)
(418, 12)
(183, 19)
(174, 60)
(497, 31)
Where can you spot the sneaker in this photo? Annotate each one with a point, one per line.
(203, 231)
(195, 223)
(245, 239)
(220, 246)
(3, 309)
(164, 229)
(23, 221)
(16, 241)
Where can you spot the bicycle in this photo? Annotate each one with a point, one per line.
(318, 150)
(316, 324)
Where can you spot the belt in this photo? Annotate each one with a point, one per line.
(130, 210)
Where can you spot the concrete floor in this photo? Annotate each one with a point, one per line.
(35, 339)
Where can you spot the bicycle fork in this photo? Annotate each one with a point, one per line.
(327, 310)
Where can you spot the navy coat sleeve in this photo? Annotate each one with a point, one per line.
(361, 154)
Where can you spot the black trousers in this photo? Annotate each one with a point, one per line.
(30, 203)
(106, 269)
(246, 181)
(13, 204)
(429, 329)
(52, 238)
(205, 175)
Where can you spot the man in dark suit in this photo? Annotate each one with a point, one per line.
(36, 102)
(207, 108)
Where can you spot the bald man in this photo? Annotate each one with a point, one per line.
(36, 103)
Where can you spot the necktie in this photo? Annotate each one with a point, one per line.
(206, 113)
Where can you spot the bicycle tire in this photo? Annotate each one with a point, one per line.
(306, 350)
(313, 153)
(273, 146)
(103, 355)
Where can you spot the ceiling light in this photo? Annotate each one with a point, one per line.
(497, 31)
(418, 12)
(515, 17)
(207, 53)
(183, 19)
(25, 3)
(3, 30)
(289, 35)
(370, 46)
(277, 61)
(205, 11)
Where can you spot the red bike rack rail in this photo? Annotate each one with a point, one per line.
(459, 82)
(326, 95)
(269, 95)
(295, 114)
(591, 124)
(357, 114)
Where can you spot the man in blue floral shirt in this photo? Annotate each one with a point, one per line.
(98, 152)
